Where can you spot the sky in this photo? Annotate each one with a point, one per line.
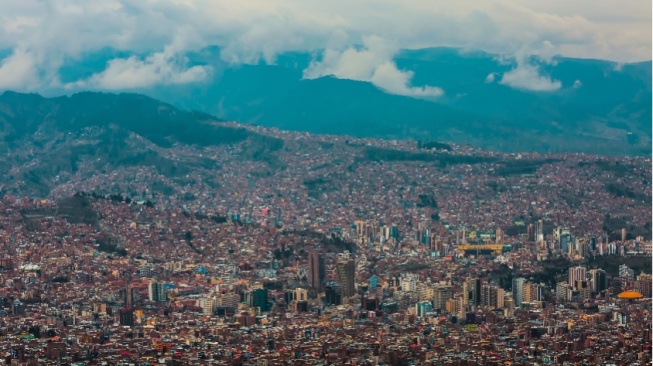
(348, 39)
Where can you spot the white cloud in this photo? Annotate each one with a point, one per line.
(527, 76)
(18, 71)
(577, 84)
(53, 33)
(373, 63)
(136, 73)
(387, 77)
(490, 78)
(166, 67)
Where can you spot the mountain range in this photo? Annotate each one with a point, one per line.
(589, 106)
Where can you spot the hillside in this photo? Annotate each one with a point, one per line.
(48, 139)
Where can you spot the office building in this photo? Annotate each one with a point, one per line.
(643, 284)
(583, 288)
(128, 297)
(157, 292)
(539, 231)
(518, 290)
(127, 317)
(492, 296)
(623, 235)
(532, 292)
(471, 292)
(626, 272)
(333, 292)
(562, 292)
(17, 307)
(346, 276)
(578, 273)
(599, 280)
(316, 270)
(422, 308)
(441, 295)
(258, 298)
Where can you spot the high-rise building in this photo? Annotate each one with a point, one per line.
(539, 230)
(492, 296)
(471, 292)
(316, 270)
(423, 307)
(127, 317)
(374, 282)
(128, 296)
(562, 291)
(643, 284)
(409, 282)
(333, 292)
(258, 298)
(518, 290)
(532, 292)
(454, 306)
(499, 236)
(599, 280)
(17, 307)
(584, 289)
(346, 275)
(626, 272)
(207, 304)
(360, 228)
(157, 291)
(531, 232)
(578, 273)
(442, 294)
(556, 234)
(564, 243)
(623, 235)
(592, 247)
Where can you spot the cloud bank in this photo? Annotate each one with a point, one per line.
(527, 77)
(37, 38)
(373, 63)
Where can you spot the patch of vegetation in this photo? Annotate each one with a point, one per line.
(381, 154)
(77, 210)
(325, 165)
(521, 167)
(427, 200)
(496, 187)
(106, 245)
(332, 244)
(318, 186)
(554, 270)
(620, 190)
(188, 238)
(612, 225)
(617, 168)
(611, 264)
(161, 187)
(260, 148)
(413, 267)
